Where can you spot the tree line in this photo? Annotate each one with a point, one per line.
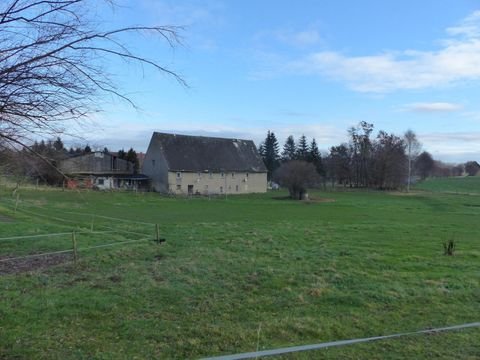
(384, 161)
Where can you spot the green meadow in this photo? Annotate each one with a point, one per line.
(240, 274)
(462, 185)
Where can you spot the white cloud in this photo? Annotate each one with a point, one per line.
(468, 27)
(457, 60)
(452, 137)
(433, 107)
(453, 146)
(117, 134)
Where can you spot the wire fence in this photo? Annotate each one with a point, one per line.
(303, 348)
(85, 224)
(73, 250)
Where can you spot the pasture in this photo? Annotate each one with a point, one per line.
(238, 274)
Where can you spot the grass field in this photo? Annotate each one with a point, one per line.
(465, 185)
(246, 273)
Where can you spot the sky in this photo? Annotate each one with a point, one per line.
(299, 67)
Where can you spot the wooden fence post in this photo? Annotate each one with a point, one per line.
(157, 233)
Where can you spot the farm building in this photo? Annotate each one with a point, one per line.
(182, 164)
(103, 171)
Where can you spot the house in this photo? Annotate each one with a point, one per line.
(103, 171)
(182, 164)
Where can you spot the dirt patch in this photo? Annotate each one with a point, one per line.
(31, 264)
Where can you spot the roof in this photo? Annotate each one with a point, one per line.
(201, 153)
(95, 163)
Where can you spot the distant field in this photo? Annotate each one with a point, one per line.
(234, 275)
(469, 184)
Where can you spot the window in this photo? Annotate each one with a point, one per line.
(222, 175)
(236, 188)
(199, 175)
(101, 181)
(233, 175)
(153, 163)
(210, 175)
(246, 175)
(221, 189)
(179, 187)
(179, 175)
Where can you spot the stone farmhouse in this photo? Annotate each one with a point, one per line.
(102, 171)
(181, 164)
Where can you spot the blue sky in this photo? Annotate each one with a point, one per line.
(301, 67)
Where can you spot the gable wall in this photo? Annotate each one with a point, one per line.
(155, 166)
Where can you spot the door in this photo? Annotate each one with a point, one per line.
(190, 189)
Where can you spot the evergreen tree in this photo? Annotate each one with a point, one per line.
(315, 157)
(269, 152)
(302, 148)
(58, 144)
(87, 150)
(41, 147)
(289, 149)
(132, 157)
(121, 154)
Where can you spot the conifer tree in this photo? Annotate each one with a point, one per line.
(289, 149)
(315, 157)
(302, 148)
(58, 144)
(121, 154)
(132, 157)
(269, 152)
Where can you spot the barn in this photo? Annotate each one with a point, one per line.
(183, 164)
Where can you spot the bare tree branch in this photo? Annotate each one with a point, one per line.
(53, 62)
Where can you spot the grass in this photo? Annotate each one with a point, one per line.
(464, 185)
(250, 271)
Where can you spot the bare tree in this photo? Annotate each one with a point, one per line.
(413, 147)
(361, 148)
(297, 176)
(53, 64)
(389, 161)
(339, 165)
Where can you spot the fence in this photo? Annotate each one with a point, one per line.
(295, 349)
(76, 228)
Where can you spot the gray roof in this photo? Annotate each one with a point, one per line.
(96, 163)
(201, 153)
